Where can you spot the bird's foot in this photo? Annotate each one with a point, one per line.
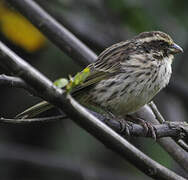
(146, 125)
(123, 125)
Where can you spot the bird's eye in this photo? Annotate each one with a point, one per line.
(163, 44)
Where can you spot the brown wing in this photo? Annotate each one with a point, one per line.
(107, 64)
(110, 59)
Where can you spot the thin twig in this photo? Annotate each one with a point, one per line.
(82, 117)
(158, 115)
(32, 120)
(16, 82)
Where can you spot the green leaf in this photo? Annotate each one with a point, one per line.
(78, 79)
(62, 82)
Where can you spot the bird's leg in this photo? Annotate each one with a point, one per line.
(147, 126)
(124, 125)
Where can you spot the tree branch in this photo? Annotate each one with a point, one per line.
(12, 82)
(162, 120)
(171, 129)
(16, 82)
(80, 115)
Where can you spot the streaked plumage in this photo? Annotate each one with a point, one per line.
(128, 74)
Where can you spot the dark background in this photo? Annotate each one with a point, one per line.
(62, 150)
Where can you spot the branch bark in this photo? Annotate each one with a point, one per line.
(176, 130)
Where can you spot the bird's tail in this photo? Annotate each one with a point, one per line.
(35, 110)
(78, 91)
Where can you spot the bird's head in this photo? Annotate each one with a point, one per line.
(158, 41)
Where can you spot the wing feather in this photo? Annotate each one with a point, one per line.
(107, 65)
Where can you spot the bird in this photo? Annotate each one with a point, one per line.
(125, 76)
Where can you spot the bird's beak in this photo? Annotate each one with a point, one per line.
(174, 48)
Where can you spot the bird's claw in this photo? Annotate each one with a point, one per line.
(148, 127)
(124, 125)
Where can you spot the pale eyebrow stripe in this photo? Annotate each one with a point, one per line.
(148, 39)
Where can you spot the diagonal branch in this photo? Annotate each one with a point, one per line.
(82, 117)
